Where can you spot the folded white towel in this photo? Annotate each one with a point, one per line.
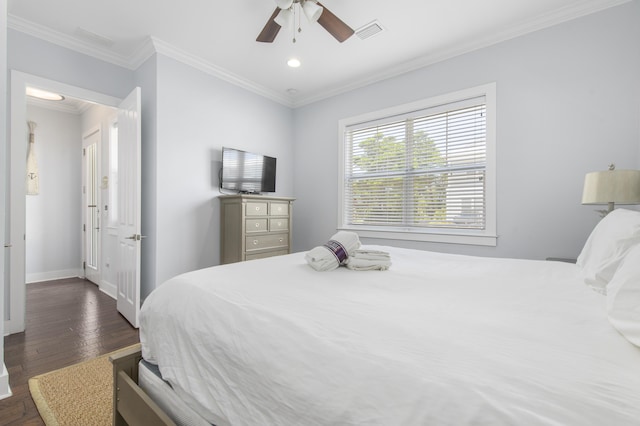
(369, 260)
(358, 264)
(371, 254)
(334, 253)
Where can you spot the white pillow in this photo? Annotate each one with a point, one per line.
(605, 248)
(623, 297)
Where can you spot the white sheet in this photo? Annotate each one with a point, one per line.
(436, 340)
(162, 394)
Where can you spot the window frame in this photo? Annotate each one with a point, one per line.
(484, 237)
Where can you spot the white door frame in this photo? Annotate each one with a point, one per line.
(17, 221)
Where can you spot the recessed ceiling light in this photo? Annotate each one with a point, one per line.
(294, 62)
(43, 94)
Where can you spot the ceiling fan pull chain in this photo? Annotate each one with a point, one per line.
(294, 23)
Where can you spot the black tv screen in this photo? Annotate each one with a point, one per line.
(247, 172)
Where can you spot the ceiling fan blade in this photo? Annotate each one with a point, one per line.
(270, 30)
(334, 25)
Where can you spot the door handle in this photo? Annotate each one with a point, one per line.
(7, 246)
(135, 237)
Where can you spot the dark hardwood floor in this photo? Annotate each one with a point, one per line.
(67, 321)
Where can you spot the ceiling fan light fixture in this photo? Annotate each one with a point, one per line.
(284, 4)
(285, 18)
(311, 10)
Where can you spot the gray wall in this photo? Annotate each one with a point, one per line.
(53, 217)
(196, 115)
(38, 57)
(146, 79)
(568, 100)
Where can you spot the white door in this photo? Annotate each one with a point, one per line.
(129, 195)
(91, 205)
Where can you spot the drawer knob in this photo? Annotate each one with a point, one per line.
(257, 208)
(255, 242)
(279, 223)
(257, 225)
(281, 239)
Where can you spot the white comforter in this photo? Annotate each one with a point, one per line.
(436, 340)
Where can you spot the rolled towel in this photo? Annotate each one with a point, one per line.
(369, 260)
(334, 253)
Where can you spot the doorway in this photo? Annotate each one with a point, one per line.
(15, 288)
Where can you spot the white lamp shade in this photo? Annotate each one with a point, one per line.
(284, 18)
(284, 4)
(311, 10)
(612, 186)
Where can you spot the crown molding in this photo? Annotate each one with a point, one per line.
(152, 45)
(69, 42)
(145, 50)
(198, 63)
(541, 22)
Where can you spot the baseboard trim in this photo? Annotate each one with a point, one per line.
(53, 275)
(12, 326)
(5, 390)
(109, 289)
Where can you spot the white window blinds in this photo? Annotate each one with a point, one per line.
(424, 169)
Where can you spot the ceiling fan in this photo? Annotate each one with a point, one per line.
(285, 14)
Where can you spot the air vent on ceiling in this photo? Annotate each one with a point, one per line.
(369, 30)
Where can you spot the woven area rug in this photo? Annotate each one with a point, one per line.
(80, 394)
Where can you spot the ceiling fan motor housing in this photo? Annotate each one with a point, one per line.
(313, 10)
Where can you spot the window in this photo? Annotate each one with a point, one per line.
(423, 171)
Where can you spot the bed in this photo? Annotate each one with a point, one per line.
(437, 339)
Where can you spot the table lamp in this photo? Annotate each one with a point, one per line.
(610, 187)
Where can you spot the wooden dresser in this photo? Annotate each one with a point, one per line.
(254, 227)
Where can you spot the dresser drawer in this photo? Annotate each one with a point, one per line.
(256, 225)
(256, 209)
(266, 254)
(279, 209)
(260, 242)
(279, 224)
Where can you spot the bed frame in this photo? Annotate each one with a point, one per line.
(131, 405)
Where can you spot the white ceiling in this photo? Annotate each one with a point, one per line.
(219, 36)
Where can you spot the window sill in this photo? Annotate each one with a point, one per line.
(432, 237)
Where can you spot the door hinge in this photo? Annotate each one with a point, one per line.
(84, 227)
(84, 152)
(84, 265)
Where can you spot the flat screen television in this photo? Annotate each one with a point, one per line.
(247, 172)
